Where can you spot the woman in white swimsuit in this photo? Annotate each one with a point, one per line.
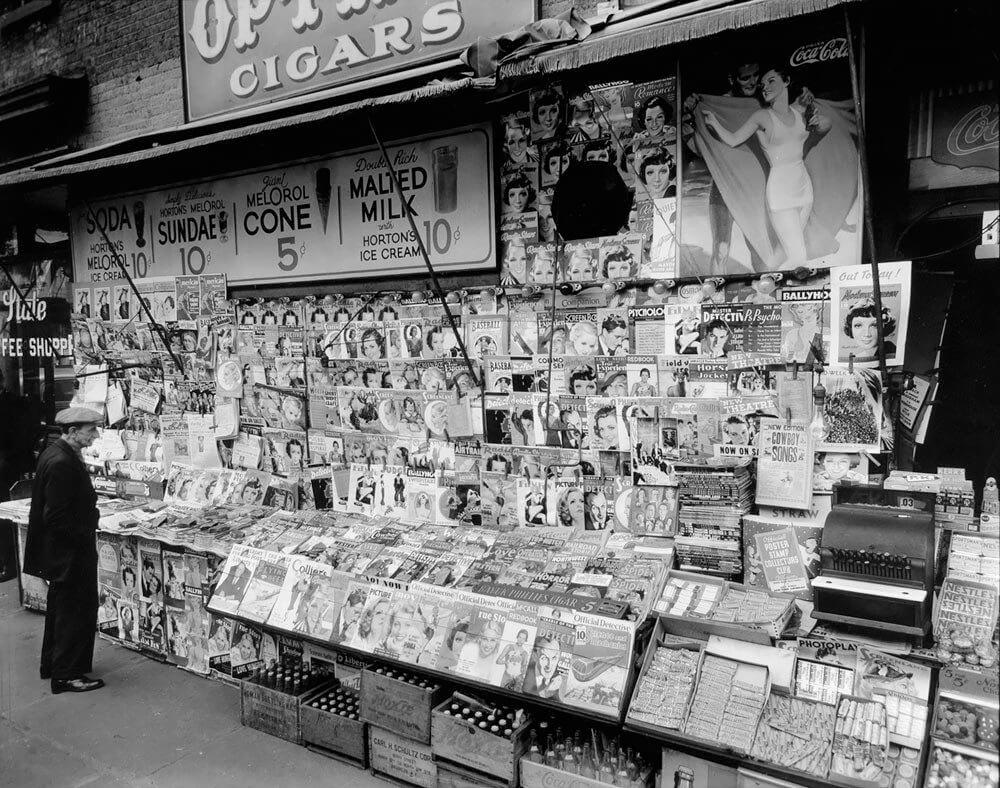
(782, 131)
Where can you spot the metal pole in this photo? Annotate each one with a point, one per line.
(869, 231)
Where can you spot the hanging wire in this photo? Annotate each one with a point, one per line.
(423, 251)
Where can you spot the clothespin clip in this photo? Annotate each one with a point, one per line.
(850, 363)
(802, 273)
(788, 417)
(795, 370)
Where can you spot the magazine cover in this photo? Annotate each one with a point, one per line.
(852, 411)
(128, 621)
(516, 644)
(771, 164)
(264, 586)
(478, 656)
(785, 464)
(151, 567)
(464, 606)
(349, 619)
(373, 623)
(599, 667)
(152, 631)
(245, 649)
(234, 579)
(434, 611)
(653, 510)
(830, 467)
(175, 633)
(174, 573)
(805, 325)
(550, 662)
(297, 607)
(853, 315)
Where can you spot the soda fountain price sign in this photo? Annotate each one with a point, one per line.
(325, 219)
(445, 182)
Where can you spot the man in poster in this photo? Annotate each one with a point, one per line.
(60, 548)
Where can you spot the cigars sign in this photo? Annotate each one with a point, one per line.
(242, 53)
(332, 218)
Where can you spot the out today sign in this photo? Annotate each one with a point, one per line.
(330, 218)
(242, 53)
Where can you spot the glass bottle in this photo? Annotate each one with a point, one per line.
(586, 762)
(607, 775)
(535, 754)
(577, 748)
(551, 759)
(569, 762)
(621, 772)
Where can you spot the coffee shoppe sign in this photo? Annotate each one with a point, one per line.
(242, 53)
(331, 218)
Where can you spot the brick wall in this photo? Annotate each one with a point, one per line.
(130, 51)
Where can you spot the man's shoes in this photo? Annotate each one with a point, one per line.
(79, 684)
(45, 675)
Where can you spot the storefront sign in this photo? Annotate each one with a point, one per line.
(954, 137)
(326, 219)
(965, 130)
(240, 54)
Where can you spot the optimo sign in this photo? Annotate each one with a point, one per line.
(242, 53)
(331, 218)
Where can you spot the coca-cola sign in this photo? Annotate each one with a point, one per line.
(965, 132)
(976, 131)
(819, 52)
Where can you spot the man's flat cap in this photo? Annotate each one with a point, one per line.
(78, 415)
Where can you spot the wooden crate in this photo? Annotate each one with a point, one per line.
(451, 775)
(271, 711)
(397, 705)
(454, 740)
(392, 756)
(339, 735)
(538, 775)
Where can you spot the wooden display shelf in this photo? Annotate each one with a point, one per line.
(446, 678)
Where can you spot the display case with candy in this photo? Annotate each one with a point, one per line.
(956, 766)
(966, 709)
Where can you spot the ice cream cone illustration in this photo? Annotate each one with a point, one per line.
(323, 193)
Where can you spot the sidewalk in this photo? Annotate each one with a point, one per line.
(152, 725)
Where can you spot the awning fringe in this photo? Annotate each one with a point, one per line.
(701, 24)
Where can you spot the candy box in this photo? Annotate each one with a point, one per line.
(860, 742)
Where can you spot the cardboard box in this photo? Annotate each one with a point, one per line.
(397, 705)
(401, 759)
(453, 739)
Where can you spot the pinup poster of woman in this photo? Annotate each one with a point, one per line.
(771, 164)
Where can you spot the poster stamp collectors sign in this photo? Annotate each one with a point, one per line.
(331, 218)
(240, 54)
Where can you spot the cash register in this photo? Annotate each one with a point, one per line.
(877, 560)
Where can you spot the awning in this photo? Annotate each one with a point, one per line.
(60, 168)
(682, 21)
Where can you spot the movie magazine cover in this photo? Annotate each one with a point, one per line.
(245, 652)
(771, 175)
(853, 315)
(805, 325)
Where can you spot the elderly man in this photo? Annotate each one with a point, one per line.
(61, 549)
